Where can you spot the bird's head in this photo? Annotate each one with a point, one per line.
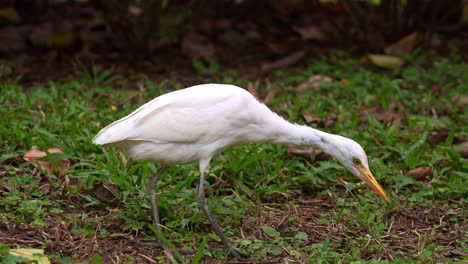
(351, 155)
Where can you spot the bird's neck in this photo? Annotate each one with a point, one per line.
(300, 135)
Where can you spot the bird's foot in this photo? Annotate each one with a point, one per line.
(239, 256)
(154, 243)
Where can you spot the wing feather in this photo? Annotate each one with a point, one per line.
(184, 116)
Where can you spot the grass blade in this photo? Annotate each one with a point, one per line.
(177, 255)
(199, 253)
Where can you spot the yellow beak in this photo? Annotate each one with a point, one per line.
(370, 180)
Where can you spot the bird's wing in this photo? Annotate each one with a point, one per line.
(180, 119)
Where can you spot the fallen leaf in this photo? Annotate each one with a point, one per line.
(10, 15)
(319, 155)
(34, 154)
(34, 255)
(271, 232)
(197, 47)
(386, 61)
(309, 119)
(394, 118)
(405, 45)
(436, 89)
(310, 32)
(59, 38)
(7, 188)
(105, 193)
(438, 137)
(65, 183)
(314, 81)
(135, 10)
(462, 100)
(464, 15)
(389, 118)
(421, 173)
(344, 82)
(462, 149)
(45, 188)
(305, 153)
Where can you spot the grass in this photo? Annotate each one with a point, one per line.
(274, 206)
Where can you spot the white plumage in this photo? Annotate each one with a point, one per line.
(194, 124)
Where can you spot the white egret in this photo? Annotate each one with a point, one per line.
(194, 124)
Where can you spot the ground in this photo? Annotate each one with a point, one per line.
(277, 204)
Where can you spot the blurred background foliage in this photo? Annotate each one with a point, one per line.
(149, 25)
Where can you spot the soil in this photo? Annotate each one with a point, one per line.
(405, 228)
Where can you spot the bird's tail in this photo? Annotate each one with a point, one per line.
(112, 133)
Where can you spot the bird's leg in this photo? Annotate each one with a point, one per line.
(154, 206)
(154, 203)
(204, 208)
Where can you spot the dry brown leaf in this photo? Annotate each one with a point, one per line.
(65, 183)
(319, 155)
(105, 193)
(393, 118)
(309, 119)
(438, 137)
(45, 188)
(405, 45)
(34, 154)
(135, 10)
(382, 115)
(310, 32)
(315, 81)
(7, 188)
(421, 173)
(303, 87)
(462, 149)
(305, 153)
(436, 89)
(462, 100)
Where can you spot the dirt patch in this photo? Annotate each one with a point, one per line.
(405, 233)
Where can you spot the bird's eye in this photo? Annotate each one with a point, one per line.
(356, 161)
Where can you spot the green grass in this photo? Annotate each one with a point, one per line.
(273, 206)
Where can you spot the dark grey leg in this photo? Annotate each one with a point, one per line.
(214, 224)
(154, 203)
(154, 206)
